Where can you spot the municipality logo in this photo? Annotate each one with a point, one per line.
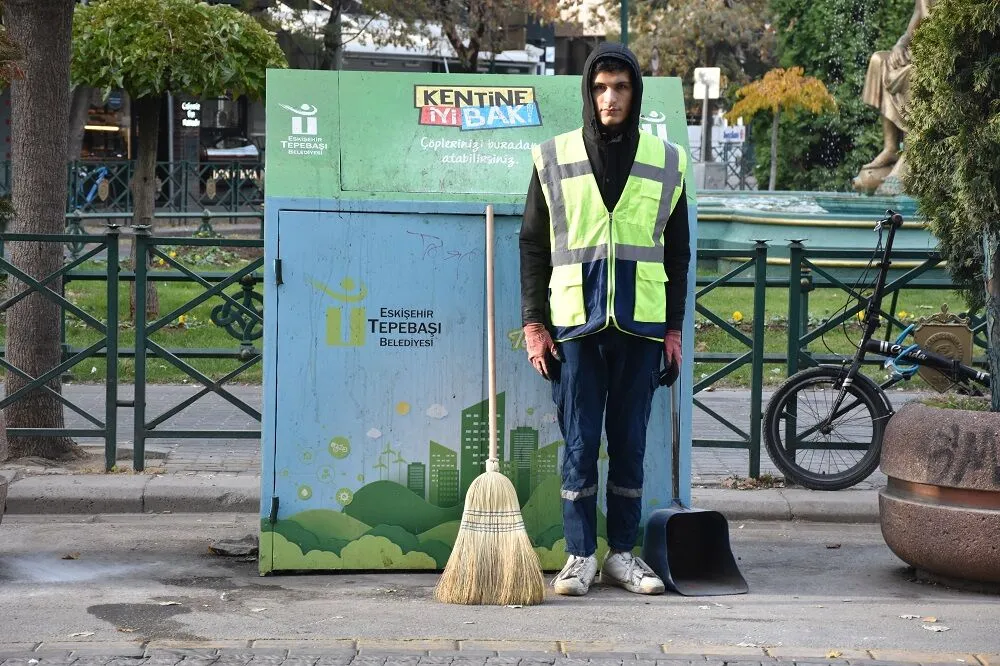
(655, 123)
(349, 312)
(303, 119)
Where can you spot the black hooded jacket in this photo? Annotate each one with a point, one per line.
(611, 155)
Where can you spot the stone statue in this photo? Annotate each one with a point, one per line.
(887, 88)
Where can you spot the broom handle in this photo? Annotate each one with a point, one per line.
(675, 438)
(493, 465)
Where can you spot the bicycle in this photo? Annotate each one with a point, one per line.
(838, 414)
(82, 196)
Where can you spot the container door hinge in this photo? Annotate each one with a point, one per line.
(273, 516)
(278, 279)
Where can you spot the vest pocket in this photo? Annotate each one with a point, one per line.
(650, 292)
(566, 296)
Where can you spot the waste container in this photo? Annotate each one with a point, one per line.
(375, 416)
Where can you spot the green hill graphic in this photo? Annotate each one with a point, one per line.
(446, 533)
(543, 514)
(334, 523)
(388, 503)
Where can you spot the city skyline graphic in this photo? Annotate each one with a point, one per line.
(447, 474)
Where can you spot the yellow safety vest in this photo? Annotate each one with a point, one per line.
(607, 267)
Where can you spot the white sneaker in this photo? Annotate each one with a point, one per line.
(575, 578)
(628, 571)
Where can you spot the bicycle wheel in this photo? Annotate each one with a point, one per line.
(824, 456)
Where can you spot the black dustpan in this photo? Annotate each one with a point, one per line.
(689, 548)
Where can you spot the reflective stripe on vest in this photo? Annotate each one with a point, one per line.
(583, 231)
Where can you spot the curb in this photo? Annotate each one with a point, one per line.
(162, 493)
(98, 493)
(537, 652)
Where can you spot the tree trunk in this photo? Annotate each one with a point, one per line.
(78, 108)
(991, 247)
(39, 130)
(774, 149)
(468, 56)
(147, 115)
(333, 53)
(4, 448)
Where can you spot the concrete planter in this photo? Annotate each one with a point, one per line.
(940, 511)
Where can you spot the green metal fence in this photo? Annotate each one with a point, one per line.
(241, 315)
(239, 311)
(20, 285)
(748, 437)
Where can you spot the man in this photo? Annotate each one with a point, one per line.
(602, 300)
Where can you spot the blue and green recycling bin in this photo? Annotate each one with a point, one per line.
(375, 416)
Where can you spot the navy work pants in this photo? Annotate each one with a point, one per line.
(608, 379)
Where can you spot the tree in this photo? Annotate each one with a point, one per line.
(833, 41)
(469, 26)
(39, 121)
(10, 57)
(151, 47)
(782, 92)
(952, 149)
(738, 38)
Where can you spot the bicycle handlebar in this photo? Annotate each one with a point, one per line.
(920, 356)
(891, 218)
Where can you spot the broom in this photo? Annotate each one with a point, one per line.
(492, 561)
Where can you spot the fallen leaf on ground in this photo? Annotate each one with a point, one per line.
(257, 610)
(81, 634)
(833, 654)
(126, 630)
(936, 627)
(71, 556)
(929, 618)
(833, 546)
(170, 603)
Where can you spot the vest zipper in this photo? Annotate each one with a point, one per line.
(611, 270)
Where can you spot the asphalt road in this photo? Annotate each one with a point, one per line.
(151, 577)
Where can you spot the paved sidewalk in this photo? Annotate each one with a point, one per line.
(204, 475)
(448, 653)
(709, 465)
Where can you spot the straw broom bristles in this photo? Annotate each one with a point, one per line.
(493, 561)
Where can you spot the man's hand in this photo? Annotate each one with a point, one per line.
(672, 348)
(540, 347)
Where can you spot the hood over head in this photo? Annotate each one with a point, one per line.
(591, 124)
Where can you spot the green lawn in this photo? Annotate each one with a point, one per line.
(193, 330)
(196, 329)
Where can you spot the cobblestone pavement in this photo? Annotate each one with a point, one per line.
(242, 456)
(439, 653)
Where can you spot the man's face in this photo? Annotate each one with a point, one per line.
(612, 97)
